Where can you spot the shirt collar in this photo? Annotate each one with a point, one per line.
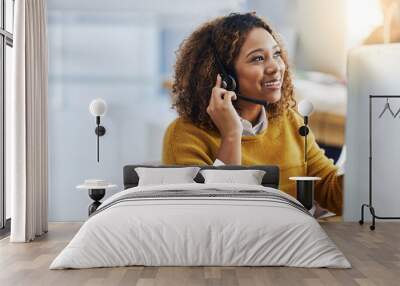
(261, 124)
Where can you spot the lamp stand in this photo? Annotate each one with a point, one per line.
(305, 185)
(303, 130)
(100, 131)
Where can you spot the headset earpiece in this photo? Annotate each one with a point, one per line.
(224, 84)
(228, 82)
(233, 85)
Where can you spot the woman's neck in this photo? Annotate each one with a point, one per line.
(250, 112)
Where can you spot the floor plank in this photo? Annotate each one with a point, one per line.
(374, 255)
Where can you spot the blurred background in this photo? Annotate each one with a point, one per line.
(124, 52)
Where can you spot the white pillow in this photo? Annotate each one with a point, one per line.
(164, 176)
(249, 177)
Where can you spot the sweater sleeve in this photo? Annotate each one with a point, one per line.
(329, 190)
(185, 144)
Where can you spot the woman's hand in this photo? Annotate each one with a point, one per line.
(222, 112)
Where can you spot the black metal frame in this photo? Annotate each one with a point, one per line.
(369, 205)
(6, 39)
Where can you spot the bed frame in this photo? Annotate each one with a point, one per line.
(270, 179)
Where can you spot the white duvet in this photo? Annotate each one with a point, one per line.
(200, 231)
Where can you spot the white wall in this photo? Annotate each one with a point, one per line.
(322, 32)
(372, 70)
(115, 57)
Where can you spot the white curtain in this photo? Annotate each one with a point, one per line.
(27, 123)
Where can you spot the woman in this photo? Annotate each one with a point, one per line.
(217, 126)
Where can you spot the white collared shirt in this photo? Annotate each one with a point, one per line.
(261, 124)
(250, 130)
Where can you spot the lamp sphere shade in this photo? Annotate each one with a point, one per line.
(98, 107)
(305, 107)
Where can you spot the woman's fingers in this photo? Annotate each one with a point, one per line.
(229, 96)
(220, 97)
(217, 89)
(216, 96)
(218, 92)
(222, 111)
(219, 81)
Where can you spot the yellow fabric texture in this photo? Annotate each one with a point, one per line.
(280, 144)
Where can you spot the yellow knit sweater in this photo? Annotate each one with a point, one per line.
(280, 144)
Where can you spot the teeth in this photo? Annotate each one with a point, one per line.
(272, 83)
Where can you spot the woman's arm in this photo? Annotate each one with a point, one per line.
(186, 144)
(230, 151)
(227, 120)
(328, 191)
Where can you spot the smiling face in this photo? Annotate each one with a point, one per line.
(259, 66)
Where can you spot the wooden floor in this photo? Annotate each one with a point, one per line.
(375, 256)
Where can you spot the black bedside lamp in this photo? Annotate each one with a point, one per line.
(98, 108)
(305, 109)
(305, 185)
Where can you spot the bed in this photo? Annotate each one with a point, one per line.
(201, 224)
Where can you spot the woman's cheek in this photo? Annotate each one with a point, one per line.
(283, 67)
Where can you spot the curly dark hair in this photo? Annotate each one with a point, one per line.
(196, 68)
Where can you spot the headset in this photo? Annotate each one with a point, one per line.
(230, 83)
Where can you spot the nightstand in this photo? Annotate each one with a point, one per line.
(305, 190)
(96, 190)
